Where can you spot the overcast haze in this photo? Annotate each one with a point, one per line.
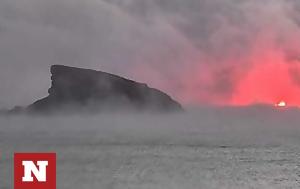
(195, 50)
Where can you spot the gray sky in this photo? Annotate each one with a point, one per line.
(195, 50)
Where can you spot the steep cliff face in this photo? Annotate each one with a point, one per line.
(76, 89)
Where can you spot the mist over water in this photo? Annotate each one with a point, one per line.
(207, 126)
(201, 52)
(256, 146)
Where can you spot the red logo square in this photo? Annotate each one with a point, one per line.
(35, 171)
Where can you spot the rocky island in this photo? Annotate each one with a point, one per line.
(84, 90)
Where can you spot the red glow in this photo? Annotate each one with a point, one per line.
(269, 84)
(262, 69)
(265, 78)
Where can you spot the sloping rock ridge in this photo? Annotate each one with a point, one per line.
(77, 89)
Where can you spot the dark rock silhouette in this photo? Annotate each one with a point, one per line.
(77, 89)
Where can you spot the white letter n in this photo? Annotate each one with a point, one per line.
(30, 167)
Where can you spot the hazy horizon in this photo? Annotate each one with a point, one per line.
(208, 148)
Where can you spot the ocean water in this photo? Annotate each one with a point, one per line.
(209, 148)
